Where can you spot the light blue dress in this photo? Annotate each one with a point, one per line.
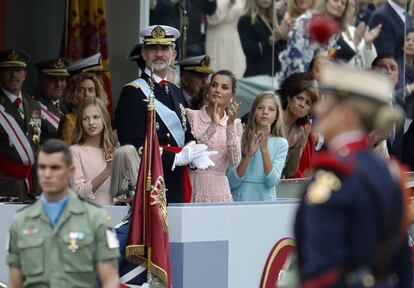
(254, 185)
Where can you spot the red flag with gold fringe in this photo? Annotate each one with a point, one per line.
(148, 241)
(85, 35)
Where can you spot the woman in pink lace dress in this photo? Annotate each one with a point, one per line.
(221, 132)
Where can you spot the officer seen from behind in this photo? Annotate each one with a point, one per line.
(350, 227)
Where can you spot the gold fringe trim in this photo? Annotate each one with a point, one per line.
(136, 254)
(159, 272)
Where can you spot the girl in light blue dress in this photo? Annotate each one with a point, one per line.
(264, 148)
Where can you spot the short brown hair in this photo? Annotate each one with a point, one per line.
(53, 146)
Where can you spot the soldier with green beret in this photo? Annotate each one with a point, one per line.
(61, 240)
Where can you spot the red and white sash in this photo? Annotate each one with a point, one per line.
(17, 138)
(49, 116)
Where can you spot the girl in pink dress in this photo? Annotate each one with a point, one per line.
(94, 144)
(221, 132)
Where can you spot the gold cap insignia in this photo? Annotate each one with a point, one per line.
(158, 33)
(320, 190)
(59, 64)
(205, 62)
(13, 55)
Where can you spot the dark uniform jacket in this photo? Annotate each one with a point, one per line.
(352, 211)
(131, 122)
(10, 186)
(50, 131)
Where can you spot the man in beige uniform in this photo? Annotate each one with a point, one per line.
(61, 240)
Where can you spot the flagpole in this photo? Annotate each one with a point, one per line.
(151, 110)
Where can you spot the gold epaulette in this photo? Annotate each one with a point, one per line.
(133, 85)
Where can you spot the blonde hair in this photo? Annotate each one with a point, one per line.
(277, 126)
(320, 8)
(108, 136)
(72, 89)
(293, 9)
(251, 9)
(125, 166)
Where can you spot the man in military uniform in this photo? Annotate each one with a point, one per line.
(51, 85)
(61, 240)
(171, 123)
(194, 72)
(20, 129)
(350, 227)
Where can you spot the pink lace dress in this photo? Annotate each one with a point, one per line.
(211, 185)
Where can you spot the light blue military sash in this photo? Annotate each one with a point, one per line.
(167, 116)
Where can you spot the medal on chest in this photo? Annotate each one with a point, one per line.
(74, 238)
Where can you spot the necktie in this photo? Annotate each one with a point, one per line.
(17, 103)
(164, 84)
(57, 105)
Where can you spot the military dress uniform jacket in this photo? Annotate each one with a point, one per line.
(131, 123)
(30, 125)
(51, 132)
(351, 211)
(65, 255)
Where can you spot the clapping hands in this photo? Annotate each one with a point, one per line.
(258, 141)
(369, 35)
(231, 113)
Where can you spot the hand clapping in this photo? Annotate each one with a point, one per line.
(232, 112)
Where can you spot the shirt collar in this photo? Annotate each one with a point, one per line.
(346, 139)
(53, 210)
(206, 118)
(47, 202)
(397, 8)
(157, 78)
(75, 205)
(12, 97)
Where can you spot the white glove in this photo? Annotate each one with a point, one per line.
(188, 154)
(203, 161)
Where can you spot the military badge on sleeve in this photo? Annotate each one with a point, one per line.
(320, 190)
